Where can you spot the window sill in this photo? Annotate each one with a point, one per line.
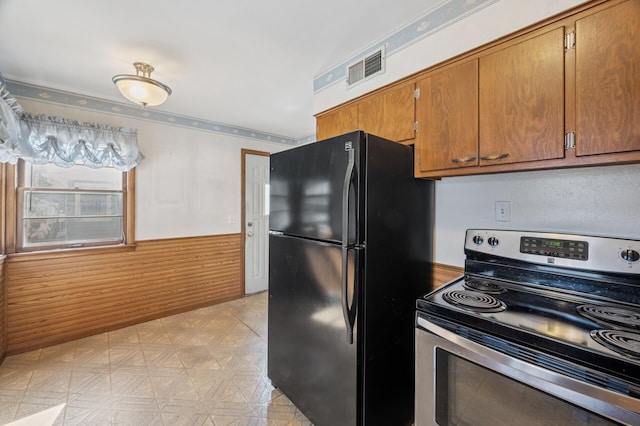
(75, 252)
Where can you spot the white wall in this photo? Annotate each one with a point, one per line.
(189, 182)
(597, 201)
(189, 185)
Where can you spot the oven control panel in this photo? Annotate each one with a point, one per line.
(567, 250)
(555, 247)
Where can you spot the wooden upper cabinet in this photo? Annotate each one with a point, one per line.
(515, 104)
(389, 114)
(447, 116)
(522, 101)
(608, 80)
(337, 122)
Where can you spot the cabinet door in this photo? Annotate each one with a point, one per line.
(337, 122)
(608, 80)
(389, 114)
(447, 115)
(522, 101)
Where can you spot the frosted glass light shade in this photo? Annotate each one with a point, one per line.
(140, 88)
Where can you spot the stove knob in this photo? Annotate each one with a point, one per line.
(630, 255)
(493, 241)
(478, 239)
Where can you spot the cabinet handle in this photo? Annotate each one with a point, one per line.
(462, 160)
(495, 157)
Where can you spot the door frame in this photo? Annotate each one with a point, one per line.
(243, 230)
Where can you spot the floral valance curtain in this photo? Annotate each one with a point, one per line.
(65, 142)
(9, 119)
(41, 139)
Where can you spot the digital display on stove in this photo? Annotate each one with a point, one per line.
(552, 243)
(565, 249)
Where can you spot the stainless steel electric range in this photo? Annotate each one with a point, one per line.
(543, 328)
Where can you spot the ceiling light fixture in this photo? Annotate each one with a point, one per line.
(141, 88)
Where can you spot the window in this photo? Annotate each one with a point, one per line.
(61, 207)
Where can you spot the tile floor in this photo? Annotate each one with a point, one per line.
(204, 367)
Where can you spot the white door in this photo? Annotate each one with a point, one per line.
(256, 260)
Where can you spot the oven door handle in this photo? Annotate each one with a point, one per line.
(619, 407)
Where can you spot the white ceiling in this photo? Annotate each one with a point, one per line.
(245, 63)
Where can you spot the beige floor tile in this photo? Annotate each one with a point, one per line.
(128, 335)
(92, 354)
(136, 417)
(178, 387)
(159, 357)
(9, 403)
(34, 402)
(127, 356)
(15, 378)
(154, 336)
(82, 416)
(90, 383)
(49, 380)
(131, 386)
(204, 367)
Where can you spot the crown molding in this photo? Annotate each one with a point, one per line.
(60, 97)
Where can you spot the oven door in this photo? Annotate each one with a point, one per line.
(461, 382)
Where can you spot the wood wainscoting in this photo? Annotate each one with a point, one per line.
(56, 298)
(3, 310)
(50, 299)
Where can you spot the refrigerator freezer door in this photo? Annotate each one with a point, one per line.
(309, 358)
(308, 189)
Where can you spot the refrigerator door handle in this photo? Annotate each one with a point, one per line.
(357, 278)
(345, 295)
(348, 176)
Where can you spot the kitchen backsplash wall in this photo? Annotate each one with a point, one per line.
(596, 200)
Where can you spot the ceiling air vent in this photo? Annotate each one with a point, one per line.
(366, 68)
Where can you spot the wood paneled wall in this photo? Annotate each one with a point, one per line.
(53, 299)
(3, 310)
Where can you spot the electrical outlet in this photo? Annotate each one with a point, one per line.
(503, 211)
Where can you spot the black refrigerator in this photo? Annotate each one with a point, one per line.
(350, 251)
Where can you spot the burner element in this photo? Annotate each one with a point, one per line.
(623, 342)
(611, 316)
(484, 286)
(474, 301)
